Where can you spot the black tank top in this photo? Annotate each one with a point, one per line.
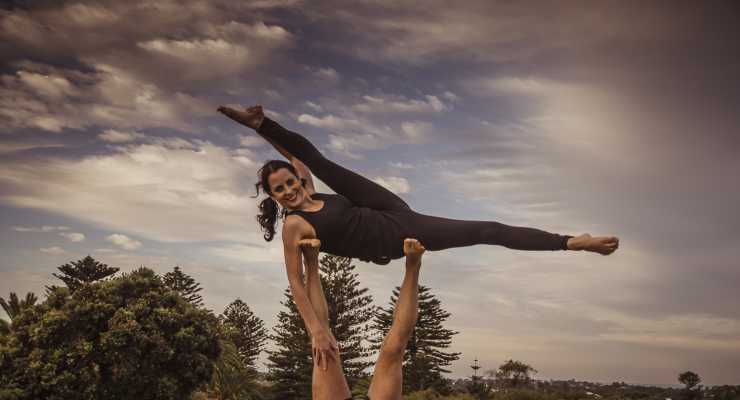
(357, 232)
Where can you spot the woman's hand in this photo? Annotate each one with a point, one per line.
(251, 116)
(324, 349)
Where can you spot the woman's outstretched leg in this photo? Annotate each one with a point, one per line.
(387, 379)
(355, 187)
(438, 233)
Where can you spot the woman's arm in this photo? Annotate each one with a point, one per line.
(310, 250)
(253, 117)
(323, 343)
(293, 265)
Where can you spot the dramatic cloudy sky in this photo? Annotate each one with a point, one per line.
(600, 117)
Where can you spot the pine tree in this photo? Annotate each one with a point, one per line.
(231, 378)
(245, 330)
(350, 314)
(185, 285)
(80, 272)
(425, 356)
(290, 365)
(13, 307)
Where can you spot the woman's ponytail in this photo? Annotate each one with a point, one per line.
(268, 217)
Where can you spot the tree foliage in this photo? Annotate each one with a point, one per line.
(185, 285)
(245, 330)
(514, 374)
(477, 387)
(80, 272)
(689, 379)
(125, 338)
(350, 314)
(232, 379)
(290, 364)
(13, 306)
(426, 354)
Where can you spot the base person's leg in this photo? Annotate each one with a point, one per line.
(329, 384)
(387, 379)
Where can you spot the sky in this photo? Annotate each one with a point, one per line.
(608, 118)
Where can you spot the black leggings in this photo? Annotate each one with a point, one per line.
(435, 233)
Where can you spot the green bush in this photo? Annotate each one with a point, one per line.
(521, 394)
(126, 338)
(428, 394)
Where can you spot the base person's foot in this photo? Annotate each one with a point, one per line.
(413, 249)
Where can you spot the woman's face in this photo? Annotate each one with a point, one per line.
(286, 188)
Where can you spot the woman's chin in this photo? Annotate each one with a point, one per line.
(291, 205)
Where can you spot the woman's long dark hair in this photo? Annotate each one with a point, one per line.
(269, 208)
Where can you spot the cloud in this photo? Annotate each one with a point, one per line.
(271, 252)
(106, 96)
(346, 145)
(123, 241)
(395, 184)
(328, 122)
(130, 76)
(51, 87)
(360, 134)
(486, 32)
(169, 190)
(200, 58)
(313, 106)
(44, 228)
(54, 250)
(399, 104)
(328, 74)
(206, 34)
(114, 136)
(13, 146)
(401, 165)
(513, 85)
(417, 131)
(251, 141)
(73, 236)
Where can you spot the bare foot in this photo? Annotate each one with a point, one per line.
(413, 249)
(603, 245)
(251, 116)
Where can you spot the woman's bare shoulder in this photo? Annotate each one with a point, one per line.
(296, 226)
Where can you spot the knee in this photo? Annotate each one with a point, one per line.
(393, 350)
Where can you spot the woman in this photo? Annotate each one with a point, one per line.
(364, 220)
